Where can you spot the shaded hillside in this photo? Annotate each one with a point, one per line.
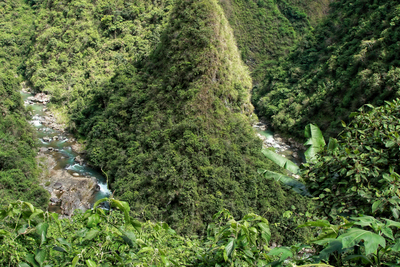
(175, 136)
(351, 59)
(267, 30)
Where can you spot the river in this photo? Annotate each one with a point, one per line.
(59, 145)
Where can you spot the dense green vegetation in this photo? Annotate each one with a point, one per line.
(102, 238)
(80, 44)
(16, 23)
(360, 173)
(266, 30)
(18, 172)
(349, 59)
(168, 134)
(160, 92)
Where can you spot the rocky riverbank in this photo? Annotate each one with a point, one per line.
(69, 189)
(283, 146)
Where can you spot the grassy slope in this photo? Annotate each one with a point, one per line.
(175, 136)
(351, 59)
(18, 172)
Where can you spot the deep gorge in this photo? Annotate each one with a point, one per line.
(167, 102)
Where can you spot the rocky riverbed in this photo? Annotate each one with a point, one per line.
(65, 174)
(286, 147)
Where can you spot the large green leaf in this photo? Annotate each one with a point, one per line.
(392, 223)
(122, 206)
(91, 234)
(31, 259)
(333, 246)
(98, 202)
(265, 231)
(75, 261)
(281, 161)
(41, 229)
(93, 220)
(357, 257)
(230, 247)
(297, 186)
(129, 238)
(315, 141)
(136, 224)
(91, 263)
(40, 256)
(371, 240)
(286, 253)
(333, 144)
(396, 246)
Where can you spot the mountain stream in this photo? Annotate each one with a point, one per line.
(71, 182)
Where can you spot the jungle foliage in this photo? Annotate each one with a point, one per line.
(80, 44)
(349, 59)
(266, 30)
(359, 173)
(18, 172)
(113, 238)
(98, 237)
(167, 131)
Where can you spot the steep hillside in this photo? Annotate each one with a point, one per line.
(79, 44)
(351, 59)
(266, 30)
(175, 137)
(18, 172)
(16, 23)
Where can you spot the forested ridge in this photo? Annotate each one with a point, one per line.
(350, 59)
(163, 95)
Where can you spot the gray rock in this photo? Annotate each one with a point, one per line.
(43, 149)
(75, 174)
(57, 185)
(55, 200)
(79, 159)
(46, 139)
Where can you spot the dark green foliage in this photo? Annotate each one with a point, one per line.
(18, 173)
(361, 174)
(96, 238)
(174, 136)
(266, 30)
(350, 59)
(363, 241)
(112, 238)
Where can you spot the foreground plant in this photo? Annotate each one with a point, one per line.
(364, 241)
